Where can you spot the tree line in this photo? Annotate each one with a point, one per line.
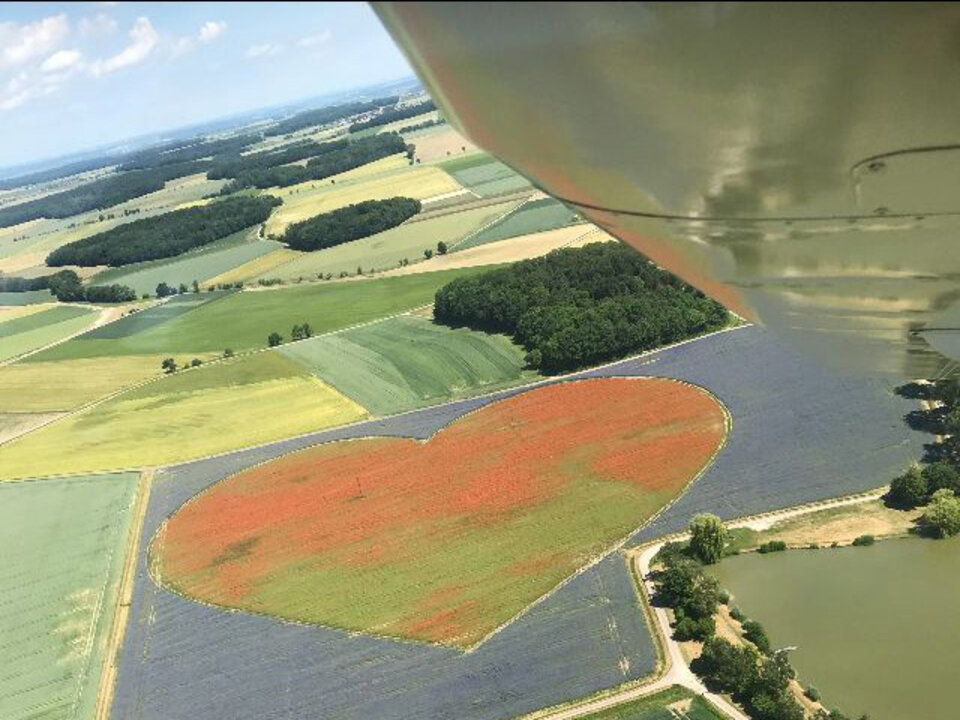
(390, 115)
(350, 223)
(340, 159)
(103, 193)
(322, 116)
(935, 486)
(166, 235)
(231, 166)
(187, 151)
(66, 286)
(753, 673)
(577, 307)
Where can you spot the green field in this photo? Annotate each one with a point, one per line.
(407, 362)
(63, 542)
(384, 251)
(532, 217)
(25, 298)
(484, 175)
(200, 265)
(243, 320)
(198, 412)
(30, 332)
(674, 703)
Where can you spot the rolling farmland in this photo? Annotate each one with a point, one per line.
(407, 362)
(201, 264)
(40, 237)
(66, 384)
(532, 217)
(63, 542)
(30, 332)
(212, 327)
(303, 201)
(587, 635)
(535, 486)
(385, 250)
(484, 175)
(202, 411)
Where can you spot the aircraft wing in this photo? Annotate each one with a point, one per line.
(800, 162)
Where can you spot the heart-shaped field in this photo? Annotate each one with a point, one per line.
(444, 540)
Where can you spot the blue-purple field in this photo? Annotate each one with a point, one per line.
(800, 433)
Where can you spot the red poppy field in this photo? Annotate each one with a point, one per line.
(445, 540)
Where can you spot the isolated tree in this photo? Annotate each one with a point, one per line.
(196, 286)
(306, 330)
(707, 537)
(441, 248)
(274, 339)
(908, 490)
(196, 362)
(169, 366)
(163, 290)
(428, 253)
(183, 288)
(942, 517)
(295, 333)
(228, 353)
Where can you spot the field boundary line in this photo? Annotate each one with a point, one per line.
(121, 612)
(94, 324)
(499, 218)
(156, 378)
(544, 380)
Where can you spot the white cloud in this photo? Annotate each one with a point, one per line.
(22, 43)
(61, 60)
(321, 38)
(211, 30)
(265, 50)
(99, 24)
(143, 39)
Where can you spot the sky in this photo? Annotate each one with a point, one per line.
(74, 76)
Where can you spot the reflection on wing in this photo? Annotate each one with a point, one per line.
(799, 162)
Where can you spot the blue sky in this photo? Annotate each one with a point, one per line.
(78, 75)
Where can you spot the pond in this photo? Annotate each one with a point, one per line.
(877, 629)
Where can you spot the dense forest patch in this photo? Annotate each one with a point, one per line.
(165, 235)
(350, 223)
(578, 307)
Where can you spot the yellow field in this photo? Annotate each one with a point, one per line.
(66, 384)
(303, 201)
(151, 426)
(256, 267)
(523, 247)
(441, 144)
(389, 164)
